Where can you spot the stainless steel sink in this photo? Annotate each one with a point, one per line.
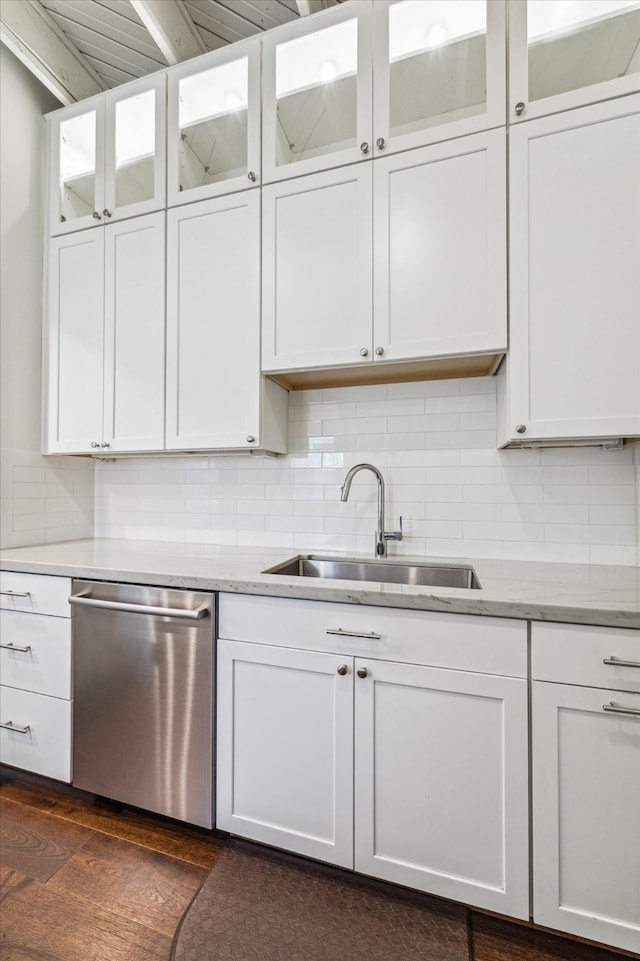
(385, 572)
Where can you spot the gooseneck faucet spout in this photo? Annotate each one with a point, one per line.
(382, 536)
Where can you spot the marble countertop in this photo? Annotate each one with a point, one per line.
(573, 593)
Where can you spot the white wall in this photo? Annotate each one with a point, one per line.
(436, 445)
(41, 499)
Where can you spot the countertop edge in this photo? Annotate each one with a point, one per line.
(454, 601)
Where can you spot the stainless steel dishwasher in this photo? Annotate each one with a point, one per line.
(143, 697)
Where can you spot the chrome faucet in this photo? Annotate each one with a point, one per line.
(382, 536)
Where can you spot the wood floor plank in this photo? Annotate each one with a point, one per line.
(36, 844)
(41, 924)
(498, 940)
(178, 841)
(136, 883)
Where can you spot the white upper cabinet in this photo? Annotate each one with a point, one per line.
(216, 397)
(438, 70)
(317, 270)
(567, 54)
(572, 369)
(105, 340)
(107, 157)
(433, 284)
(317, 92)
(214, 124)
(440, 264)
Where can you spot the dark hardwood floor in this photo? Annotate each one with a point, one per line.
(84, 879)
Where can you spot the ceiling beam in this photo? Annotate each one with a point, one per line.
(33, 36)
(306, 7)
(171, 28)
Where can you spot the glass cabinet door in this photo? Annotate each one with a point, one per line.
(76, 195)
(437, 64)
(135, 148)
(317, 92)
(568, 53)
(214, 124)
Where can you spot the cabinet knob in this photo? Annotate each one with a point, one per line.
(94, 443)
(105, 443)
(106, 213)
(519, 108)
(250, 439)
(362, 672)
(96, 215)
(381, 143)
(379, 351)
(364, 351)
(364, 146)
(342, 670)
(521, 429)
(252, 177)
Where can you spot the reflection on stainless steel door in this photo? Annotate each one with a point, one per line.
(143, 697)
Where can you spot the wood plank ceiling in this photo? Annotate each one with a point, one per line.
(113, 39)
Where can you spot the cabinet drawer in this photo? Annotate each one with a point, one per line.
(487, 645)
(575, 654)
(45, 746)
(35, 653)
(35, 593)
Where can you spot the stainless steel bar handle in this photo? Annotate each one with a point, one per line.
(620, 662)
(16, 593)
(614, 708)
(87, 601)
(341, 633)
(14, 647)
(10, 726)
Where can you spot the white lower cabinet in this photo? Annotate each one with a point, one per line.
(438, 757)
(285, 749)
(35, 668)
(586, 785)
(441, 783)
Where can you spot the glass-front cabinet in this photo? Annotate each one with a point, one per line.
(317, 92)
(569, 53)
(106, 157)
(214, 124)
(438, 70)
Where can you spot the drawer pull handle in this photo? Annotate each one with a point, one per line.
(369, 637)
(614, 708)
(10, 726)
(14, 647)
(16, 593)
(620, 662)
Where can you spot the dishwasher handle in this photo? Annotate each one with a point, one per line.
(85, 600)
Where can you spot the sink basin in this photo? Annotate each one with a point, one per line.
(382, 571)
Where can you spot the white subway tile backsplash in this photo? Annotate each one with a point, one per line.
(436, 445)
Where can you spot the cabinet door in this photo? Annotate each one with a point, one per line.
(441, 783)
(317, 92)
(440, 252)
(439, 70)
(76, 166)
(567, 54)
(317, 270)
(213, 145)
(75, 322)
(213, 324)
(575, 274)
(285, 749)
(135, 148)
(35, 733)
(134, 334)
(586, 799)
